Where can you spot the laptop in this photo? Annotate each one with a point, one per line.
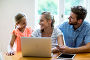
(36, 46)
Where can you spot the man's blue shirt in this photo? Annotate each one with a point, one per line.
(78, 37)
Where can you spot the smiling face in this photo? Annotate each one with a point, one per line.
(22, 24)
(44, 23)
(73, 19)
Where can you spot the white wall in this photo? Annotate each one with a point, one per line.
(88, 10)
(61, 11)
(8, 10)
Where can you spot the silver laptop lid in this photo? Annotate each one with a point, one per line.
(36, 46)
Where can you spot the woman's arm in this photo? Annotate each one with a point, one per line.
(60, 43)
(60, 40)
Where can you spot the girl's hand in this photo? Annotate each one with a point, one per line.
(11, 53)
(18, 26)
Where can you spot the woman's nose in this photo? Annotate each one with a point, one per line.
(39, 23)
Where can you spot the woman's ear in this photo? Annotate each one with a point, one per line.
(50, 21)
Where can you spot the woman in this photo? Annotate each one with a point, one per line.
(47, 30)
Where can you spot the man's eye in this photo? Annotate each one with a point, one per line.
(41, 20)
(71, 18)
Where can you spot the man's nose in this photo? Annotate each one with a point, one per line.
(68, 17)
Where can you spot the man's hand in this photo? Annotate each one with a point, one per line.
(65, 49)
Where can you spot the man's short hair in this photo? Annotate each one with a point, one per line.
(80, 11)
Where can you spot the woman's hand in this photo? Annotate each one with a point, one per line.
(55, 50)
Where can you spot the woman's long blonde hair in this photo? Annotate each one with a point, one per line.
(48, 16)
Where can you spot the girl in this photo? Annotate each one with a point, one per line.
(20, 31)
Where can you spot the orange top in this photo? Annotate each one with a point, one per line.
(27, 33)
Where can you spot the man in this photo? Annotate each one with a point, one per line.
(76, 32)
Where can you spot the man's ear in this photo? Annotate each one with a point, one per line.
(80, 21)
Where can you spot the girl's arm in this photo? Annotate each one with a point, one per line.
(11, 51)
(12, 40)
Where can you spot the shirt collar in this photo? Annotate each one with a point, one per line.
(80, 28)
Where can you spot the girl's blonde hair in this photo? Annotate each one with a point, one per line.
(18, 18)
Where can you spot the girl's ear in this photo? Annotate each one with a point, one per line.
(16, 23)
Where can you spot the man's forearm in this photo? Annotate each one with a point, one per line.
(85, 48)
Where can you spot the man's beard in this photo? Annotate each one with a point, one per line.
(75, 23)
